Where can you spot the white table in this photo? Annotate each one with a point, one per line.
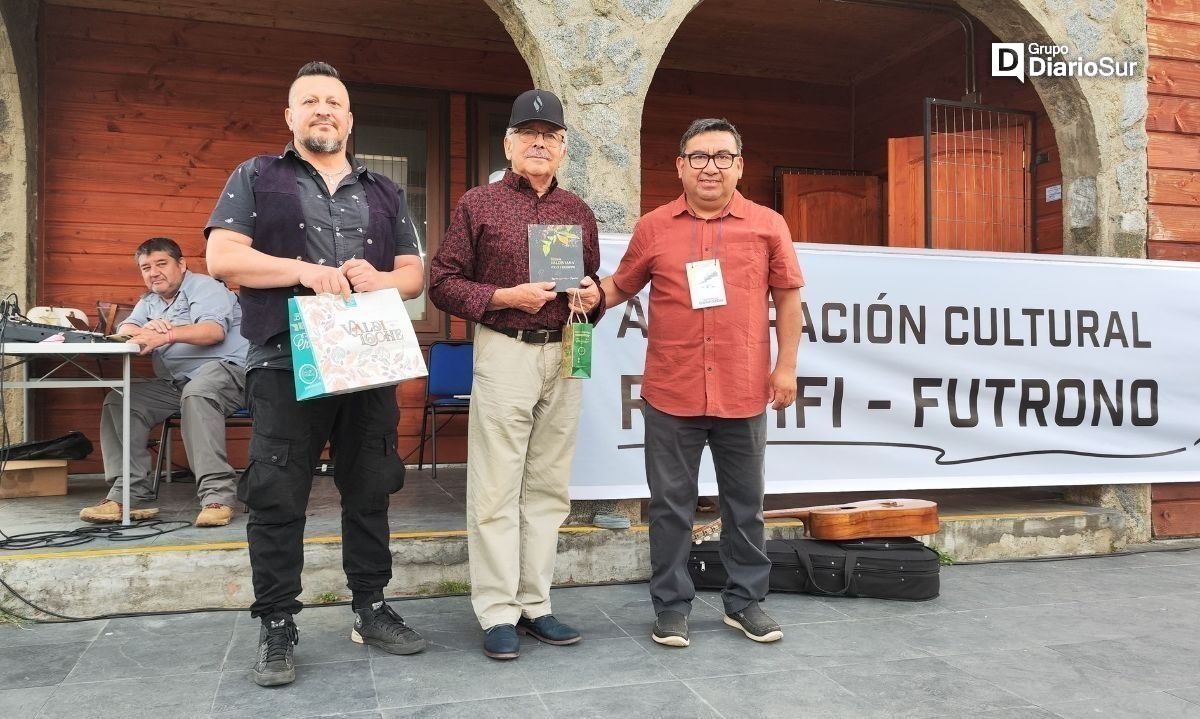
(69, 352)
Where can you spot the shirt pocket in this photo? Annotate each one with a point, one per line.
(747, 265)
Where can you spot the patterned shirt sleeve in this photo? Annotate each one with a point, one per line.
(235, 207)
(452, 286)
(591, 259)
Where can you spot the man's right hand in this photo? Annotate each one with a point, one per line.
(320, 278)
(529, 297)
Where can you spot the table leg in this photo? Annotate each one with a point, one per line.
(125, 387)
(26, 413)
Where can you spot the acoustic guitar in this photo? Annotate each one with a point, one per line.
(856, 520)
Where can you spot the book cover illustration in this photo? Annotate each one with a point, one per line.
(556, 255)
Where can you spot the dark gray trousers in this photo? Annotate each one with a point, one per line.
(673, 449)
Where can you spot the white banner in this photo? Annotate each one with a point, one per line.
(926, 369)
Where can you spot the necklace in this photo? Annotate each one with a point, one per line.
(337, 172)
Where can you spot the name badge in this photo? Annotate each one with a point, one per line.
(706, 283)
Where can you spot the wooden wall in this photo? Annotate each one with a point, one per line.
(1173, 124)
(143, 118)
(781, 122)
(889, 103)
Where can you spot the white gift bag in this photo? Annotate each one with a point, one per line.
(341, 346)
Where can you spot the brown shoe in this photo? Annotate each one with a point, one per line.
(108, 512)
(214, 515)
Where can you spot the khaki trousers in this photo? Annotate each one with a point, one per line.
(520, 443)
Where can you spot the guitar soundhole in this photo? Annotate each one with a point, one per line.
(851, 507)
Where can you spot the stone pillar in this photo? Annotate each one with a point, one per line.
(18, 138)
(1100, 128)
(1099, 123)
(599, 57)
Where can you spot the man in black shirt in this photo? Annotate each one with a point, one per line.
(314, 220)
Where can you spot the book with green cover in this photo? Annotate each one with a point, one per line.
(556, 255)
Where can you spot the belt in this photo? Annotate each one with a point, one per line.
(533, 337)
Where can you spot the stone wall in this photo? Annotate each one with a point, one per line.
(18, 147)
(1100, 123)
(599, 57)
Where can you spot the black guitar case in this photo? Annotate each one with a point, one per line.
(892, 568)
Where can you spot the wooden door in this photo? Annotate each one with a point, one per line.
(906, 192)
(980, 190)
(838, 209)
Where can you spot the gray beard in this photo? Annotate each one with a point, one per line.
(318, 145)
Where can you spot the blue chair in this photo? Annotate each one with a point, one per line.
(448, 389)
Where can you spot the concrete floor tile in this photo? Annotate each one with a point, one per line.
(23, 703)
(589, 664)
(39, 665)
(865, 608)
(782, 694)
(173, 697)
(25, 634)
(529, 706)
(1025, 712)
(150, 655)
(210, 623)
(921, 688)
(1163, 662)
(1191, 694)
(445, 677)
(962, 633)
(340, 687)
(665, 700)
(850, 642)
(1159, 705)
(1041, 675)
(721, 653)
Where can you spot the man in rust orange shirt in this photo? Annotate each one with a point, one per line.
(712, 259)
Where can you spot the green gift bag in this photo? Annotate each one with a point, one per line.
(577, 347)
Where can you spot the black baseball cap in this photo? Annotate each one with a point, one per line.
(537, 105)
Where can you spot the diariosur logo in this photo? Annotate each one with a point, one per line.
(1022, 60)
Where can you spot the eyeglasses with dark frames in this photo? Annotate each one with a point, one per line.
(699, 160)
(529, 136)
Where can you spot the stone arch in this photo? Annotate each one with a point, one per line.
(600, 57)
(1099, 123)
(18, 145)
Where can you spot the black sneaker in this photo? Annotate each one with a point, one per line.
(671, 629)
(276, 665)
(379, 626)
(755, 623)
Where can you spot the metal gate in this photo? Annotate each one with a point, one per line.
(980, 175)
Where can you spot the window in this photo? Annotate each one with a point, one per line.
(491, 122)
(401, 136)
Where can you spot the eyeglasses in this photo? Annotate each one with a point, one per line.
(699, 160)
(529, 136)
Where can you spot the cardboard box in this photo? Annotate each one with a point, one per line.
(34, 478)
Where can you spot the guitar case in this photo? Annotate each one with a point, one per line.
(892, 568)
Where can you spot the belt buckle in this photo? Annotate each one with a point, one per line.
(537, 337)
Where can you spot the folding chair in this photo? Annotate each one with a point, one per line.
(240, 418)
(447, 389)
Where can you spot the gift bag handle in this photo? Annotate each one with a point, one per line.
(574, 298)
